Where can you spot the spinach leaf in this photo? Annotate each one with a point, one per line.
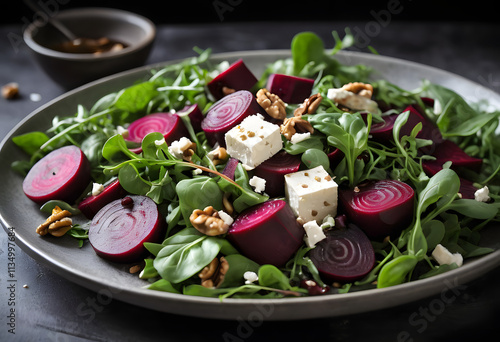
(185, 254)
(198, 193)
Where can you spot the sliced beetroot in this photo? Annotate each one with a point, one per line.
(290, 89)
(274, 170)
(345, 255)
(335, 157)
(195, 115)
(381, 208)
(449, 151)
(236, 77)
(230, 168)
(429, 130)
(467, 189)
(90, 205)
(267, 233)
(119, 230)
(228, 112)
(168, 124)
(63, 174)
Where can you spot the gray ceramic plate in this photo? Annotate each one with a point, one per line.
(83, 267)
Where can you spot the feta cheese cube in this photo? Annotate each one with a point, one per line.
(253, 141)
(443, 256)
(250, 277)
(314, 233)
(258, 184)
(482, 195)
(312, 194)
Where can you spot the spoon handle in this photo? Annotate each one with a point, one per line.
(53, 21)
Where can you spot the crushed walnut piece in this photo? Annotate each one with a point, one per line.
(272, 104)
(295, 124)
(208, 221)
(226, 90)
(359, 88)
(10, 90)
(309, 106)
(218, 156)
(56, 224)
(213, 274)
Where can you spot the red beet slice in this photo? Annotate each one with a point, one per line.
(63, 174)
(120, 228)
(290, 89)
(467, 189)
(228, 112)
(195, 115)
(170, 125)
(93, 203)
(274, 170)
(380, 208)
(345, 255)
(267, 233)
(449, 151)
(335, 157)
(237, 77)
(230, 168)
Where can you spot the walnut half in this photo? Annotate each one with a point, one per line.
(272, 104)
(309, 106)
(56, 224)
(295, 124)
(213, 274)
(208, 222)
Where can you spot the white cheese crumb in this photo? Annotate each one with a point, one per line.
(258, 184)
(178, 147)
(225, 217)
(298, 137)
(250, 277)
(444, 257)
(197, 172)
(122, 131)
(97, 189)
(35, 97)
(314, 233)
(482, 195)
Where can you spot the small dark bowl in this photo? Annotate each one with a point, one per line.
(74, 69)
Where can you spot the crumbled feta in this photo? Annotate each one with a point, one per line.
(312, 194)
(482, 195)
(178, 147)
(253, 141)
(97, 189)
(298, 137)
(314, 233)
(122, 131)
(352, 100)
(250, 277)
(258, 184)
(444, 257)
(225, 217)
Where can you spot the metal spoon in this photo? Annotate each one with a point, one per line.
(53, 21)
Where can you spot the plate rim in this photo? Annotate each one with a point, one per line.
(132, 295)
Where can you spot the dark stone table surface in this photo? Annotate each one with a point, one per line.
(46, 308)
